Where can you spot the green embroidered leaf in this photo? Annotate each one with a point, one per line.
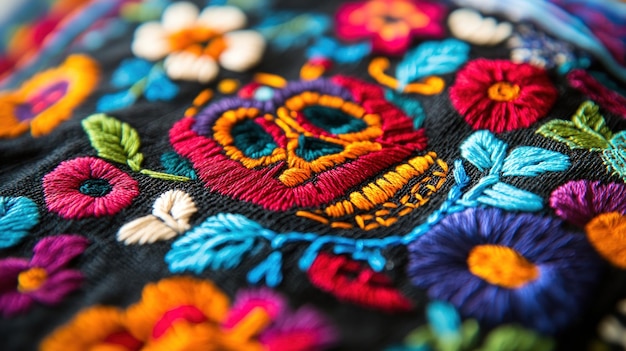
(514, 338)
(114, 140)
(589, 119)
(615, 162)
(568, 133)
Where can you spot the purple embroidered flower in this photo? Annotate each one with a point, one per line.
(580, 201)
(44, 279)
(501, 267)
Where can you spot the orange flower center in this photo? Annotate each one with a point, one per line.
(199, 41)
(607, 234)
(501, 265)
(31, 279)
(503, 91)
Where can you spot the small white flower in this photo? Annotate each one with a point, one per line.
(193, 43)
(470, 26)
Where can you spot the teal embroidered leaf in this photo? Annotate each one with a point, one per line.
(615, 161)
(567, 132)
(483, 150)
(285, 29)
(510, 198)
(411, 107)
(530, 161)
(114, 140)
(619, 140)
(589, 119)
(432, 58)
(220, 242)
(268, 269)
(17, 216)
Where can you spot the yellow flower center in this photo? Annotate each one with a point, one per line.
(501, 265)
(503, 91)
(31, 279)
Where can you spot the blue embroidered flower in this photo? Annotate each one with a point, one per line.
(500, 267)
(17, 216)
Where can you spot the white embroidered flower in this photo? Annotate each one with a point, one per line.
(470, 26)
(193, 43)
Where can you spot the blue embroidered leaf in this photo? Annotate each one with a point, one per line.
(411, 107)
(510, 198)
(483, 150)
(331, 48)
(432, 58)
(268, 269)
(116, 101)
(130, 72)
(443, 318)
(615, 161)
(160, 87)
(220, 242)
(530, 161)
(17, 216)
(285, 29)
(178, 165)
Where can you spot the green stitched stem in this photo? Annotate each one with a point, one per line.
(163, 176)
(138, 88)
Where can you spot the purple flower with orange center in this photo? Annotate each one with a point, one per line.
(48, 98)
(391, 24)
(502, 267)
(44, 278)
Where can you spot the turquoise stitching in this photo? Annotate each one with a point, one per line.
(224, 240)
(17, 216)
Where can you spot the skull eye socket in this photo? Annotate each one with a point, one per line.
(333, 120)
(252, 139)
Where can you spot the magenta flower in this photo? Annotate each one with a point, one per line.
(44, 278)
(88, 187)
(390, 24)
(578, 202)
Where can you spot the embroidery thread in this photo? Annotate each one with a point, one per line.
(18, 215)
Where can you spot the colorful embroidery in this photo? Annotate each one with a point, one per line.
(588, 130)
(446, 332)
(140, 78)
(193, 43)
(287, 29)
(596, 91)
(355, 282)
(88, 187)
(606, 233)
(119, 142)
(418, 71)
(540, 50)
(182, 313)
(307, 146)
(578, 202)
(170, 216)
(48, 98)
(44, 278)
(17, 216)
(501, 96)
(391, 25)
(486, 262)
(469, 25)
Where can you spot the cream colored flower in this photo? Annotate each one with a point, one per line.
(471, 26)
(194, 44)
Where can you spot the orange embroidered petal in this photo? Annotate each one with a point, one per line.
(501, 265)
(96, 329)
(607, 234)
(48, 98)
(173, 302)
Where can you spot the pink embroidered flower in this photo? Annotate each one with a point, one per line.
(44, 278)
(500, 95)
(88, 187)
(391, 24)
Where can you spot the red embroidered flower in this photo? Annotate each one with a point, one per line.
(391, 24)
(500, 95)
(88, 187)
(354, 282)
